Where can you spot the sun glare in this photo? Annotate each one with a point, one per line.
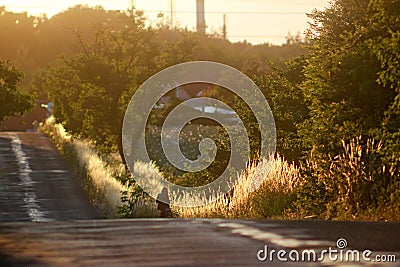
(256, 21)
(50, 8)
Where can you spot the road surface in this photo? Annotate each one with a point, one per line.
(175, 242)
(48, 221)
(35, 182)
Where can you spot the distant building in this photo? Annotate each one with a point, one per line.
(188, 91)
(25, 122)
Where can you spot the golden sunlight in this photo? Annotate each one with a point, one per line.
(256, 21)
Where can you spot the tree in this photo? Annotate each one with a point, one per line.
(11, 99)
(385, 46)
(340, 79)
(90, 90)
(351, 81)
(288, 105)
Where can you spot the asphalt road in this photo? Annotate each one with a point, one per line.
(35, 182)
(214, 242)
(48, 221)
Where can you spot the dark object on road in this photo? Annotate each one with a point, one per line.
(165, 210)
(163, 204)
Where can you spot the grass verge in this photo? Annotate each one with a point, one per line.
(97, 178)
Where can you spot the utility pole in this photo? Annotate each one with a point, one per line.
(131, 4)
(201, 22)
(171, 12)
(224, 26)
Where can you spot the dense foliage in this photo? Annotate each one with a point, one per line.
(12, 100)
(110, 60)
(336, 102)
(351, 83)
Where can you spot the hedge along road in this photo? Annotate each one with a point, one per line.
(35, 182)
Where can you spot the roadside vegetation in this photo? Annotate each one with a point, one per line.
(115, 194)
(104, 177)
(12, 98)
(334, 95)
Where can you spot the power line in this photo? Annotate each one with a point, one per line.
(257, 36)
(182, 11)
(234, 12)
(34, 7)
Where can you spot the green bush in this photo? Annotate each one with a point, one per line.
(350, 184)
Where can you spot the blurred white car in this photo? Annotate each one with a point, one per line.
(201, 107)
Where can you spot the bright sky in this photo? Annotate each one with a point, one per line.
(257, 21)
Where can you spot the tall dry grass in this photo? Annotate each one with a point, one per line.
(107, 188)
(98, 178)
(357, 184)
(275, 194)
